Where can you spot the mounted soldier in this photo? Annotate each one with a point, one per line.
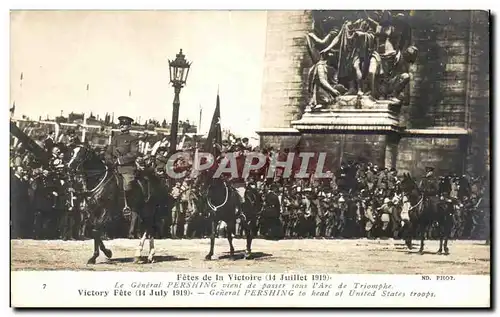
(122, 153)
(429, 184)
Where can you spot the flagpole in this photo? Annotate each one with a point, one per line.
(130, 101)
(199, 120)
(84, 132)
(20, 91)
(87, 102)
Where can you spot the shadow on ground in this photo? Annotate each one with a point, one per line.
(158, 258)
(417, 252)
(240, 254)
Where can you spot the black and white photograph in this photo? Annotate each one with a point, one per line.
(244, 152)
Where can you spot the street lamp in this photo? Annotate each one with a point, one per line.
(179, 70)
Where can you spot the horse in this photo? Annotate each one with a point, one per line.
(424, 212)
(224, 205)
(105, 200)
(155, 205)
(252, 207)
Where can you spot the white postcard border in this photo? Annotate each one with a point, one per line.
(6, 5)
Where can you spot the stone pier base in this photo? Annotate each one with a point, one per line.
(371, 133)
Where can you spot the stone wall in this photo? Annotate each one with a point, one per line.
(449, 88)
(450, 83)
(439, 78)
(280, 140)
(286, 64)
(350, 146)
(478, 96)
(417, 152)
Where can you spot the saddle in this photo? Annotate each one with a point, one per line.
(143, 183)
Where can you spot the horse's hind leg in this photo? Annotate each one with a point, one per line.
(97, 238)
(249, 233)
(107, 252)
(230, 231)
(408, 235)
(422, 238)
(138, 252)
(446, 237)
(208, 257)
(440, 250)
(154, 230)
(446, 250)
(151, 256)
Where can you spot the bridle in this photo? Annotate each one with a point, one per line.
(85, 153)
(417, 204)
(215, 208)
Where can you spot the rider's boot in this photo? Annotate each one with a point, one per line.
(127, 199)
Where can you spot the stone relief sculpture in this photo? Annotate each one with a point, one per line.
(367, 58)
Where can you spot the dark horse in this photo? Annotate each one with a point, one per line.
(426, 211)
(104, 196)
(224, 205)
(252, 207)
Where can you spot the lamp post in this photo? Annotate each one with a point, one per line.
(179, 70)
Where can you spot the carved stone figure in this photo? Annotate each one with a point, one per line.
(356, 44)
(388, 72)
(371, 53)
(321, 84)
(323, 76)
(389, 75)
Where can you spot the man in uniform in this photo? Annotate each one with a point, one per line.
(429, 184)
(73, 145)
(122, 152)
(430, 188)
(49, 142)
(272, 212)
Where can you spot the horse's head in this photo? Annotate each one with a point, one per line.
(444, 185)
(216, 183)
(407, 184)
(87, 164)
(78, 156)
(218, 193)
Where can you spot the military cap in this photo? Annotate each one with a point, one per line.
(125, 120)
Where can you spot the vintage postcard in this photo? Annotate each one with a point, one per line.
(298, 158)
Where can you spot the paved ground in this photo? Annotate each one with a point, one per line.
(316, 255)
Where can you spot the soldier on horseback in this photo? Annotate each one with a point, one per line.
(122, 153)
(429, 184)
